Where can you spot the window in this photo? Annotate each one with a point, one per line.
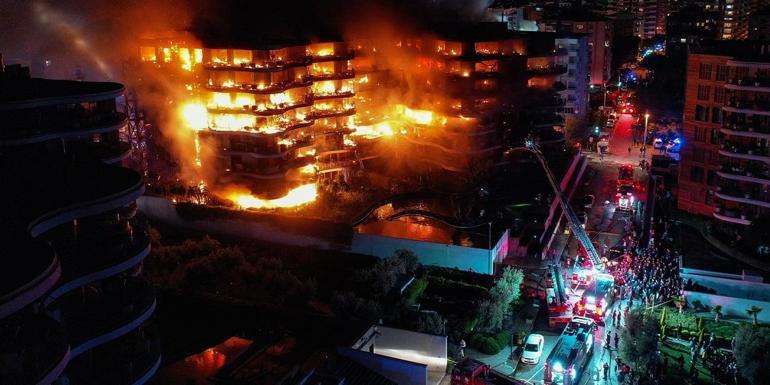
(704, 73)
(701, 113)
(716, 115)
(714, 136)
(721, 72)
(711, 178)
(696, 174)
(700, 134)
(698, 155)
(719, 94)
(713, 156)
(703, 92)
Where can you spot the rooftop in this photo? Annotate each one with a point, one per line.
(746, 50)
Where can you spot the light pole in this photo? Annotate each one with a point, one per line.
(646, 119)
(604, 103)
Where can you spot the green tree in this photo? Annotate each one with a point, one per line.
(431, 322)
(507, 289)
(717, 310)
(640, 343)
(753, 312)
(491, 315)
(752, 353)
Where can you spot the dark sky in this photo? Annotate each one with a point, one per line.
(95, 35)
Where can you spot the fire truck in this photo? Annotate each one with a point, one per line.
(596, 298)
(571, 354)
(559, 312)
(626, 175)
(473, 372)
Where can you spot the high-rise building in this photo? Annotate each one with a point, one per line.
(652, 14)
(600, 33)
(724, 164)
(734, 22)
(73, 307)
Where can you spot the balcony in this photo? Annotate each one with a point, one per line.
(547, 70)
(333, 95)
(50, 126)
(129, 360)
(263, 110)
(33, 350)
(757, 107)
(754, 174)
(745, 152)
(95, 252)
(333, 76)
(278, 151)
(333, 56)
(262, 89)
(264, 66)
(731, 215)
(24, 279)
(95, 317)
(271, 172)
(747, 130)
(332, 112)
(744, 195)
(749, 84)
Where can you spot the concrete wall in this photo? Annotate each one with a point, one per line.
(399, 371)
(729, 287)
(163, 210)
(731, 307)
(437, 254)
(421, 348)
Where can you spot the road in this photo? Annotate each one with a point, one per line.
(606, 226)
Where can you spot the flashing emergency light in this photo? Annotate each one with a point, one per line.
(557, 367)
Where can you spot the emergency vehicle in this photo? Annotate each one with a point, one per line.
(571, 354)
(596, 299)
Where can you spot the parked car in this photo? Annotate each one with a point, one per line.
(588, 201)
(533, 349)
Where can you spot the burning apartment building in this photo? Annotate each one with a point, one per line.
(277, 117)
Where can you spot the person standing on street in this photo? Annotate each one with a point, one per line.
(606, 370)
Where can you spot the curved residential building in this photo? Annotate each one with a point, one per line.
(72, 303)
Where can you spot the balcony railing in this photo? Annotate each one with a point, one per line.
(33, 349)
(265, 110)
(54, 126)
(750, 82)
(95, 318)
(279, 150)
(744, 104)
(266, 65)
(304, 81)
(547, 70)
(744, 150)
(85, 250)
(334, 75)
(744, 195)
(332, 112)
(750, 171)
(749, 128)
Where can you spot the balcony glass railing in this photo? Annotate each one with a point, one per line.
(745, 150)
(284, 85)
(752, 171)
(750, 82)
(747, 127)
(92, 313)
(744, 104)
(270, 64)
(51, 124)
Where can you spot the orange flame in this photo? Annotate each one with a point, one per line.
(299, 196)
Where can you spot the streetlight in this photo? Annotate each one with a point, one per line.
(604, 103)
(646, 119)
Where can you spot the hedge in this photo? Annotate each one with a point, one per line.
(301, 225)
(490, 344)
(467, 277)
(455, 289)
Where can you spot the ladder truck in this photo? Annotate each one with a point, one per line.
(569, 213)
(559, 308)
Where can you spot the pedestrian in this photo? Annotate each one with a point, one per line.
(629, 151)
(618, 364)
(617, 339)
(606, 370)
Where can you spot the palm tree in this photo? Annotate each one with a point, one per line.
(717, 310)
(680, 302)
(753, 311)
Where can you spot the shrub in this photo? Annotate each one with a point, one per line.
(415, 290)
(490, 346)
(503, 339)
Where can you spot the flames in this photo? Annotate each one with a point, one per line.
(373, 131)
(195, 116)
(299, 196)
